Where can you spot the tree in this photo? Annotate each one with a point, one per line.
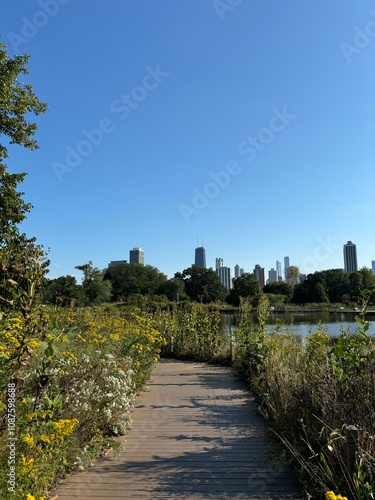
(202, 285)
(96, 290)
(246, 286)
(130, 279)
(23, 264)
(292, 275)
(64, 291)
(17, 100)
(279, 288)
(174, 289)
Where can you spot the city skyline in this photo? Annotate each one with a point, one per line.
(184, 122)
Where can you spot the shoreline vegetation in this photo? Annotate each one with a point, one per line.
(75, 374)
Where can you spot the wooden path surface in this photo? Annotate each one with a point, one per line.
(196, 435)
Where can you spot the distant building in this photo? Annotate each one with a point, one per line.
(373, 266)
(237, 271)
(242, 271)
(272, 275)
(286, 264)
(224, 275)
(116, 262)
(219, 263)
(279, 270)
(302, 277)
(259, 273)
(200, 257)
(137, 256)
(350, 258)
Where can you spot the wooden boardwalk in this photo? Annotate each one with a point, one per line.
(196, 435)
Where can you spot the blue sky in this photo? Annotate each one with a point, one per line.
(248, 124)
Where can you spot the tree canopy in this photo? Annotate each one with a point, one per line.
(202, 285)
(246, 286)
(130, 279)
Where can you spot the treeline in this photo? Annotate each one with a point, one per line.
(131, 283)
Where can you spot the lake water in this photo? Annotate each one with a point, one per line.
(303, 324)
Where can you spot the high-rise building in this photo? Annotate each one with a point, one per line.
(137, 256)
(278, 269)
(286, 264)
(373, 266)
(242, 271)
(259, 273)
(224, 274)
(237, 271)
(200, 257)
(350, 258)
(219, 263)
(272, 275)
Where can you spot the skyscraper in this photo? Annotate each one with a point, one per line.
(200, 257)
(137, 256)
(286, 264)
(259, 273)
(373, 266)
(237, 271)
(278, 269)
(273, 276)
(219, 263)
(350, 258)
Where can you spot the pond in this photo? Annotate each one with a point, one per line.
(303, 323)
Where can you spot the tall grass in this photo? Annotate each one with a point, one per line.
(310, 392)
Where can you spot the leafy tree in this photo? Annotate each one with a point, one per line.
(292, 275)
(174, 289)
(96, 290)
(64, 291)
(246, 286)
(279, 288)
(129, 279)
(17, 100)
(202, 285)
(23, 264)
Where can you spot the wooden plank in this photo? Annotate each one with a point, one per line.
(196, 434)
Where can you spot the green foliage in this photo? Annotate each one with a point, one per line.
(279, 288)
(96, 290)
(63, 291)
(132, 279)
(245, 287)
(310, 392)
(202, 285)
(191, 332)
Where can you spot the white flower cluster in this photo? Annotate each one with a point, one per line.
(102, 387)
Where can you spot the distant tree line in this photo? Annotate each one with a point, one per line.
(133, 282)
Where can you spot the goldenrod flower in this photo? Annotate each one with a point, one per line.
(28, 439)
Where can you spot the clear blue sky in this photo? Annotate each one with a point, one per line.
(150, 100)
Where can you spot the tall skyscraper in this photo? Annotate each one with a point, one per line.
(137, 256)
(278, 269)
(350, 258)
(286, 264)
(237, 271)
(259, 273)
(373, 266)
(200, 257)
(273, 275)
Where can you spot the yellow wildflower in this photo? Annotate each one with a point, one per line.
(28, 439)
(45, 439)
(30, 497)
